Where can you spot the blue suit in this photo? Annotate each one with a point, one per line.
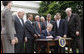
(44, 33)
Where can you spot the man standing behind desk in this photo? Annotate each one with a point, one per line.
(73, 22)
(19, 27)
(48, 21)
(30, 34)
(60, 28)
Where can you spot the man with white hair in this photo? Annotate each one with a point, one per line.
(37, 24)
(43, 23)
(73, 22)
(42, 19)
(19, 27)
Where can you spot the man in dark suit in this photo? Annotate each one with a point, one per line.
(43, 25)
(37, 24)
(73, 22)
(47, 33)
(30, 35)
(19, 27)
(60, 28)
(48, 18)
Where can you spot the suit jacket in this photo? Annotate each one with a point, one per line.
(7, 23)
(29, 30)
(62, 30)
(43, 25)
(8, 30)
(36, 27)
(19, 29)
(45, 33)
(73, 25)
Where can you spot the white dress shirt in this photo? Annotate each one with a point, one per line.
(20, 20)
(48, 22)
(58, 22)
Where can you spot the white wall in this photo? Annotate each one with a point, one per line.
(27, 6)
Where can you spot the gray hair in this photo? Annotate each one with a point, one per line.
(49, 25)
(37, 16)
(42, 17)
(68, 9)
(20, 10)
(48, 15)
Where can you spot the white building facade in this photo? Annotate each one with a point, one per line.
(28, 6)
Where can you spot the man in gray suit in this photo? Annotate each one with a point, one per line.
(8, 30)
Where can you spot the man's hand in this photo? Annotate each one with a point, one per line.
(13, 41)
(65, 36)
(39, 35)
(58, 36)
(77, 33)
(16, 39)
(25, 39)
(35, 36)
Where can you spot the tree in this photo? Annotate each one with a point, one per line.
(53, 7)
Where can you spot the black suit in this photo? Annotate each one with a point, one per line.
(73, 26)
(19, 48)
(29, 33)
(61, 31)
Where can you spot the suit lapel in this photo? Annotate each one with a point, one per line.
(18, 21)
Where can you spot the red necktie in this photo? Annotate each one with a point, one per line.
(39, 26)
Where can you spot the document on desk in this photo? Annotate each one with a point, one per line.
(44, 39)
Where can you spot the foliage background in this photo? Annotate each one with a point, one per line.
(53, 7)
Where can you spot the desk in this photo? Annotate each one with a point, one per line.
(51, 42)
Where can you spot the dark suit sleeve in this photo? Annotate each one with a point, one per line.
(54, 30)
(65, 27)
(77, 19)
(27, 34)
(43, 35)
